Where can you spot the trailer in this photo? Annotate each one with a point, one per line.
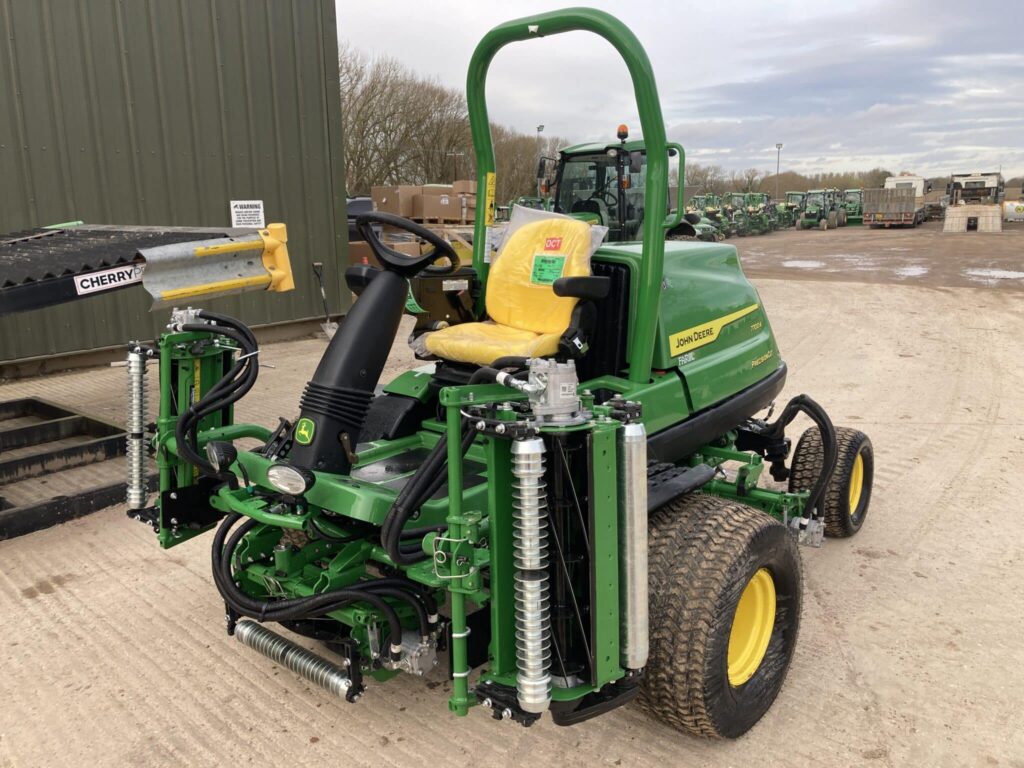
(921, 187)
(892, 207)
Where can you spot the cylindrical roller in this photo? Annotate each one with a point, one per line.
(283, 651)
(633, 635)
(136, 440)
(530, 554)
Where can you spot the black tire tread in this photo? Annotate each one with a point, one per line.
(693, 545)
(806, 465)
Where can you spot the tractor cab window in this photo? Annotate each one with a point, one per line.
(853, 197)
(584, 181)
(816, 198)
(591, 184)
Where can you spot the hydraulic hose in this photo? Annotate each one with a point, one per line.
(426, 482)
(234, 385)
(291, 608)
(817, 414)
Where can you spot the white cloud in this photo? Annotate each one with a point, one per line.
(933, 88)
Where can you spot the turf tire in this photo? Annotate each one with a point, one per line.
(807, 460)
(703, 551)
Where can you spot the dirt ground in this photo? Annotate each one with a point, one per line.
(910, 652)
(921, 256)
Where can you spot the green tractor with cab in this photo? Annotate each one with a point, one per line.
(853, 202)
(823, 209)
(578, 499)
(605, 184)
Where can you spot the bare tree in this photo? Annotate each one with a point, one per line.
(400, 128)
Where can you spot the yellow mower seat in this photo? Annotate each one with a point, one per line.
(527, 319)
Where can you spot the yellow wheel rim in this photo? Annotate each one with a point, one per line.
(751, 627)
(856, 483)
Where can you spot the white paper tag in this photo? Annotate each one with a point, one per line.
(247, 213)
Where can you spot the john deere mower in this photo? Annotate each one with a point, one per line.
(788, 211)
(762, 211)
(573, 502)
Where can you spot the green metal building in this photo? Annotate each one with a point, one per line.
(160, 113)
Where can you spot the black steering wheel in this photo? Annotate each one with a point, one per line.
(606, 195)
(400, 263)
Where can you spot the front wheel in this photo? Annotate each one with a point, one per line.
(725, 596)
(849, 489)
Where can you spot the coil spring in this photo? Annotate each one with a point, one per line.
(135, 449)
(314, 668)
(530, 554)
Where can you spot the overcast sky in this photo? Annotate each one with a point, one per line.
(928, 86)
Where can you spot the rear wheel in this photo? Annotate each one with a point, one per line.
(841, 219)
(823, 225)
(833, 219)
(849, 490)
(725, 595)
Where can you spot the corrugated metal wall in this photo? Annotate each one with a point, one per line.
(160, 112)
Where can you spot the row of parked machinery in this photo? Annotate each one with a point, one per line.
(716, 217)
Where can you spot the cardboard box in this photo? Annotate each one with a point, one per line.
(359, 251)
(437, 207)
(409, 249)
(464, 187)
(436, 189)
(397, 200)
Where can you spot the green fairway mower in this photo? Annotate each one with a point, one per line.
(567, 507)
(735, 210)
(789, 211)
(761, 210)
(824, 209)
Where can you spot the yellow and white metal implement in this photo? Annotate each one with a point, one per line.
(207, 268)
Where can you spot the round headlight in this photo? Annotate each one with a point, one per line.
(221, 454)
(291, 480)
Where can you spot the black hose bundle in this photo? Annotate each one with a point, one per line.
(319, 605)
(432, 474)
(817, 414)
(231, 388)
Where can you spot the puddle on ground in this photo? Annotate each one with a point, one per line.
(995, 274)
(800, 264)
(914, 270)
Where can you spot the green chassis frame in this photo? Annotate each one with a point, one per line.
(473, 543)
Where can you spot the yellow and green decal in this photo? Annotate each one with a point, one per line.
(304, 430)
(705, 333)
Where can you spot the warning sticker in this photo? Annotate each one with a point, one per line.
(108, 279)
(489, 190)
(247, 213)
(546, 269)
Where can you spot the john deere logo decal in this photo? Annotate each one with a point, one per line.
(304, 431)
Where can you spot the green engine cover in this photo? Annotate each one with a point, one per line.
(711, 323)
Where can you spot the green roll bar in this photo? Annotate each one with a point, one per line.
(651, 124)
